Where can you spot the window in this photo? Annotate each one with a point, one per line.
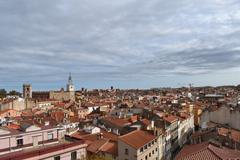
(152, 142)
(141, 150)
(57, 158)
(153, 152)
(35, 141)
(156, 149)
(150, 155)
(126, 151)
(145, 147)
(155, 140)
(149, 144)
(50, 136)
(74, 155)
(19, 142)
(145, 157)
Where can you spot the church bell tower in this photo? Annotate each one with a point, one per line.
(70, 86)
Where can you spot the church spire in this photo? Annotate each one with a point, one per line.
(70, 86)
(70, 78)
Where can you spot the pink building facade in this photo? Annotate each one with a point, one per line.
(12, 140)
(60, 151)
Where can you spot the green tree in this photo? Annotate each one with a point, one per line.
(15, 93)
(3, 93)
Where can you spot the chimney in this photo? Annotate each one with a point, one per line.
(100, 136)
(152, 124)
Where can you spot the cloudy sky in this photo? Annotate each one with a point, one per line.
(124, 43)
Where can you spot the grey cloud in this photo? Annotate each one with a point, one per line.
(116, 40)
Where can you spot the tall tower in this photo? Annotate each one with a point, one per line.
(27, 91)
(70, 86)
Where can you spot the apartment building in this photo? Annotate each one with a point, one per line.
(138, 145)
(19, 137)
(171, 126)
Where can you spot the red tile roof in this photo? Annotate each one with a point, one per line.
(13, 126)
(117, 121)
(137, 139)
(92, 137)
(233, 134)
(170, 118)
(95, 146)
(109, 135)
(206, 151)
(110, 148)
(26, 154)
(58, 116)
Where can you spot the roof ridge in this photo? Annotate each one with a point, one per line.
(203, 148)
(129, 133)
(99, 149)
(210, 149)
(88, 134)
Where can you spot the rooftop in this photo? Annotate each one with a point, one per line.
(19, 155)
(233, 134)
(206, 151)
(137, 138)
(170, 118)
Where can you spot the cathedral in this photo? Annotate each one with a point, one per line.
(61, 95)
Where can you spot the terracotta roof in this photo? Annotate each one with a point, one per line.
(7, 110)
(86, 137)
(146, 122)
(110, 148)
(58, 116)
(34, 153)
(233, 134)
(206, 151)
(184, 115)
(109, 135)
(13, 126)
(117, 121)
(170, 118)
(27, 114)
(96, 145)
(74, 119)
(137, 138)
(92, 137)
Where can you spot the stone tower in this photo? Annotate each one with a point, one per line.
(27, 91)
(70, 86)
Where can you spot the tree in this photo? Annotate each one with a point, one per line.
(15, 93)
(95, 157)
(238, 87)
(3, 93)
